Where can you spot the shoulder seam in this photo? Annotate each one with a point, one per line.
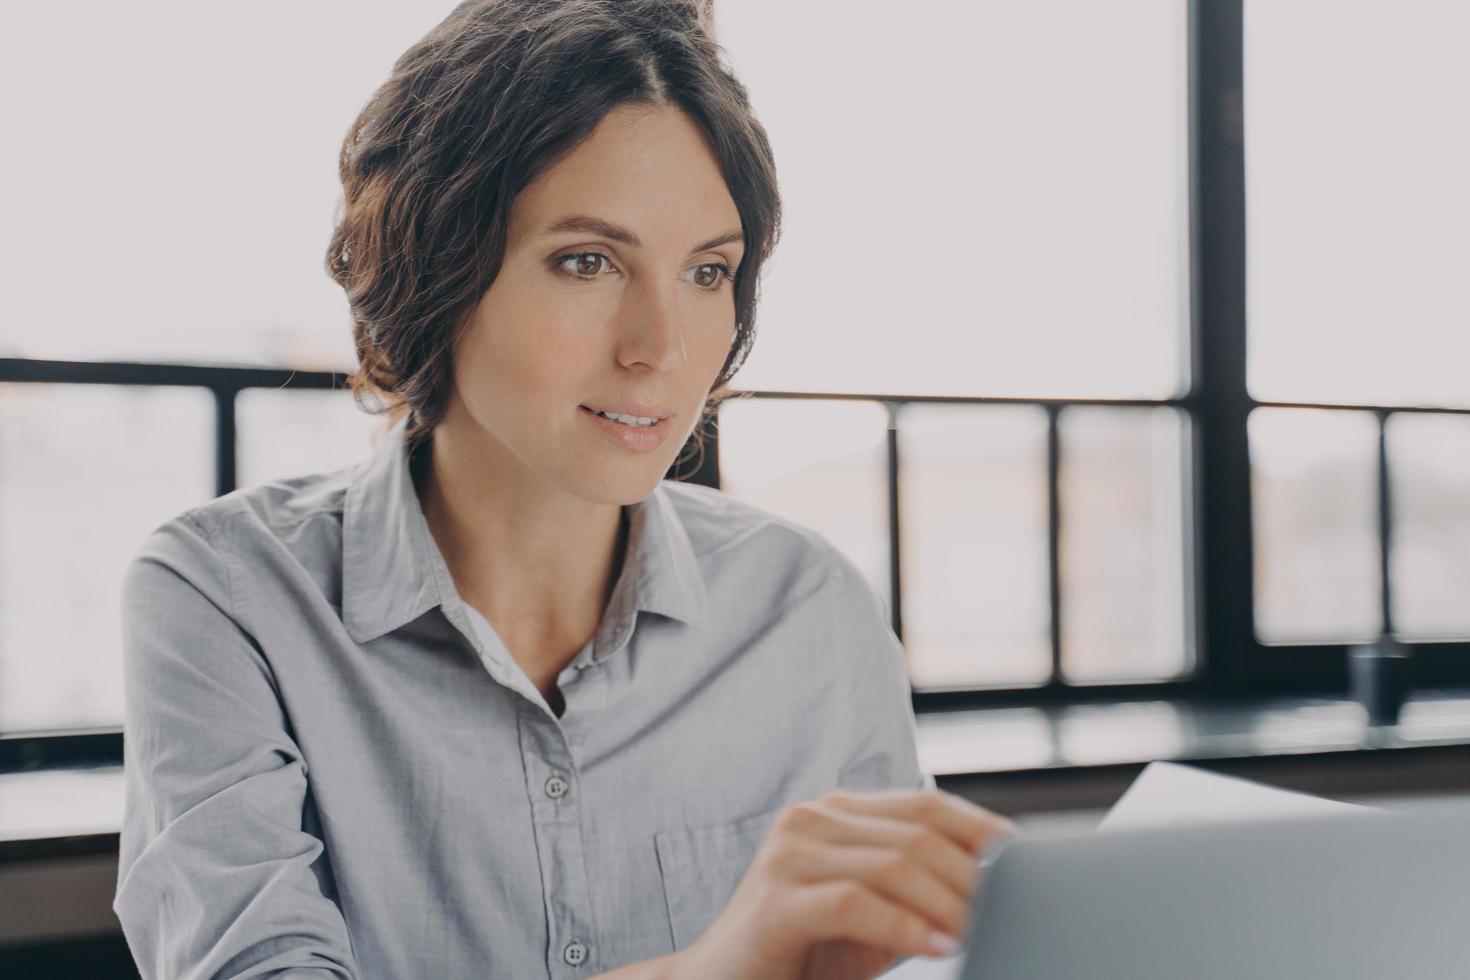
(194, 517)
(243, 507)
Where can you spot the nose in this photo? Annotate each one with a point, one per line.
(650, 331)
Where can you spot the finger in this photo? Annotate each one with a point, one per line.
(926, 846)
(891, 874)
(971, 826)
(847, 909)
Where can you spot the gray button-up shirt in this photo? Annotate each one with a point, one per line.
(334, 767)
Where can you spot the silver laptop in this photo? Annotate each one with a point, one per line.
(1352, 896)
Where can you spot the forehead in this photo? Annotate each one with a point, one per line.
(649, 169)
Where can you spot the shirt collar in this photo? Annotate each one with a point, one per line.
(393, 571)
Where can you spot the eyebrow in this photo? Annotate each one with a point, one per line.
(597, 226)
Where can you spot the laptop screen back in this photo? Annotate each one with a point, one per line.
(1348, 896)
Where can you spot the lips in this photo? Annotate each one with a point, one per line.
(646, 410)
(607, 418)
(638, 438)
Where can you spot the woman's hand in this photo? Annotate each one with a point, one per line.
(844, 885)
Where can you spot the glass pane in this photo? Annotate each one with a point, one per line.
(821, 464)
(976, 603)
(1314, 499)
(1103, 734)
(990, 740)
(282, 434)
(86, 473)
(1358, 200)
(1125, 596)
(1430, 460)
(1009, 183)
(205, 230)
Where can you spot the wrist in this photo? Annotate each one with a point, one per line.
(686, 964)
(703, 960)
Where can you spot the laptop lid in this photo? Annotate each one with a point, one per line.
(1350, 896)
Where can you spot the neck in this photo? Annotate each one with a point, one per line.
(539, 565)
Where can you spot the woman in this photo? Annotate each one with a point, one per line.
(498, 702)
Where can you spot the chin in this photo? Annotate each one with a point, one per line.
(623, 486)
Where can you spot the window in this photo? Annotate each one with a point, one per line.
(99, 466)
(1315, 476)
(1356, 164)
(198, 179)
(991, 200)
(1002, 359)
(1004, 215)
(1356, 259)
(1332, 512)
(164, 276)
(290, 433)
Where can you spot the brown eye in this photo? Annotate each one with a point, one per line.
(585, 265)
(709, 275)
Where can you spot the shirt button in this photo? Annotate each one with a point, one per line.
(556, 788)
(575, 953)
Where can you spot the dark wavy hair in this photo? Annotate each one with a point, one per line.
(472, 113)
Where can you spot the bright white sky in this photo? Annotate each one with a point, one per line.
(179, 161)
(985, 198)
(1357, 153)
(995, 207)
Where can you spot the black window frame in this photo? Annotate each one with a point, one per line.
(1231, 662)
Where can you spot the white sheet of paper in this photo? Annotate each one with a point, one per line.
(1167, 794)
(925, 969)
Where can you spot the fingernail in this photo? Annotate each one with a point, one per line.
(943, 943)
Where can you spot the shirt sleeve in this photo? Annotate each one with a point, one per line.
(882, 748)
(216, 877)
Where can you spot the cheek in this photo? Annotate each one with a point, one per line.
(532, 349)
(537, 376)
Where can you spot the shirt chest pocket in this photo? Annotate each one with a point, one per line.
(700, 868)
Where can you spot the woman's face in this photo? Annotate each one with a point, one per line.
(615, 291)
